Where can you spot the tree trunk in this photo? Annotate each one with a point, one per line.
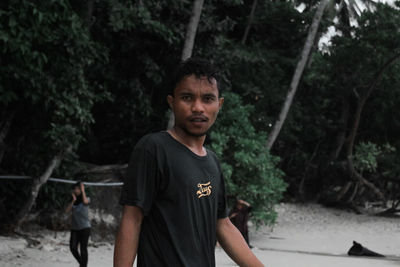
(171, 120)
(188, 45)
(251, 18)
(354, 128)
(312, 32)
(5, 124)
(360, 106)
(191, 29)
(354, 175)
(341, 136)
(37, 184)
(101, 169)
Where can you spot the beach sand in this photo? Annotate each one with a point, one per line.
(305, 236)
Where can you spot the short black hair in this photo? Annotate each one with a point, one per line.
(77, 184)
(194, 66)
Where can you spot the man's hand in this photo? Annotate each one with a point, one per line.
(82, 187)
(235, 246)
(69, 207)
(127, 240)
(241, 201)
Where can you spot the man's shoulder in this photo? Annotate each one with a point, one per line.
(151, 141)
(213, 156)
(153, 137)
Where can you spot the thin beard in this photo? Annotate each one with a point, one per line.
(192, 134)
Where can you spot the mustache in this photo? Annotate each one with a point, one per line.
(198, 117)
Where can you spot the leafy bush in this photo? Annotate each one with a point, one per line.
(365, 158)
(250, 170)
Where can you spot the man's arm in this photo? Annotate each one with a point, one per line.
(69, 207)
(234, 244)
(241, 201)
(127, 240)
(85, 199)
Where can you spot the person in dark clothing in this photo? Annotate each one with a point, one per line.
(80, 224)
(174, 194)
(239, 216)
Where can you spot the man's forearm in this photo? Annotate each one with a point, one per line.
(125, 248)
(127, 241)
(234, 245)
(85, 200)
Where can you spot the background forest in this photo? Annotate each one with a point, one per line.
(82, 81)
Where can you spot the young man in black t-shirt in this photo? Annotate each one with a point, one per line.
(174, 195)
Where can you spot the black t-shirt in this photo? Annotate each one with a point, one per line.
(182, 196)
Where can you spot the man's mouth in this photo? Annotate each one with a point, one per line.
(198, 119)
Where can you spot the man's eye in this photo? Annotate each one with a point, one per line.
(209, 98)
(186, 97)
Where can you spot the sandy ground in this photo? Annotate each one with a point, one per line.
(314, 236)
(305, 236)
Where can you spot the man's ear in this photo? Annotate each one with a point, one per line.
(170, 100)
(221, 102)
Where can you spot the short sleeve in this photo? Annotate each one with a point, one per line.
(222, 203)
(141, 181)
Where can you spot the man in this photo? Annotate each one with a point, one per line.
(80, 224)
(174, 194)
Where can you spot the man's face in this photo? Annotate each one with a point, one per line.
(77, 191)
(195, 104)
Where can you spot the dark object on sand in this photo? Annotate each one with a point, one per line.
(358, 250)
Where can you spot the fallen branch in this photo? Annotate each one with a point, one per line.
(104, 169)
(390, 212)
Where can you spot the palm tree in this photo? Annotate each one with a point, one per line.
(191, 29)
(346, 12)
(305, 54)
(188, 45)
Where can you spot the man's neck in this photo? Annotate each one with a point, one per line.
(194, 143)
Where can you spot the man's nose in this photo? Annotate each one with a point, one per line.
(197, 106)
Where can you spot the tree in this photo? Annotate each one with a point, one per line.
(188, 44)
(5, 123)
(351, 88)
(353, 173)
(37, 184)
(46, 50)
(251, 18)
(90, 74)
(312, 32)
(250, 171)
(192, 29)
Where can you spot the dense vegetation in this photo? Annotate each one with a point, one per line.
(82, 81)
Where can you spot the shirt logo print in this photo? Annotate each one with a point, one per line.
(204, 190)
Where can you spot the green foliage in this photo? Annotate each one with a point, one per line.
(313, 143)
(250, 170)
(366, 156)
(93, 79)
(12, 198)
(54, 196)
(45, 50)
